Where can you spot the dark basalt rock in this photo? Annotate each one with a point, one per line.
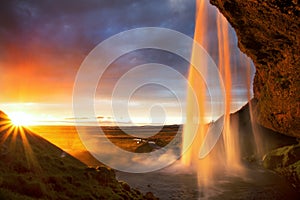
(269, 32)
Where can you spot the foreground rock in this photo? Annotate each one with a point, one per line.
(269, 33)
(285, 161)
(273, 150)
(33, 168)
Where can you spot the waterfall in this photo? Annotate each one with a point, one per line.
(226, 157)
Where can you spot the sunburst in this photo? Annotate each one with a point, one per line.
(13, 127)
(21, 118)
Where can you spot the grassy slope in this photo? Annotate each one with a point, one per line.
(33, 168)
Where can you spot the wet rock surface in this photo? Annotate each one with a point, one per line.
(285, 161)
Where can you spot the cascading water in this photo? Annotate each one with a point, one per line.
(227, 156)
(230, 138)
(190, 158)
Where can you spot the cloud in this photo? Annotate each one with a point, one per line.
(51, 38)
(43, 43)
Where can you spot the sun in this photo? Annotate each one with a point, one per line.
(20, 118)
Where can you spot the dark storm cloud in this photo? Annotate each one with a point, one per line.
(71, 22)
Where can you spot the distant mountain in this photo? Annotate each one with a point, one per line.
(33, 168)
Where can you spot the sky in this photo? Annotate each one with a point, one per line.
(43, 44)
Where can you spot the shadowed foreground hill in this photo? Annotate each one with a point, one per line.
(33, 168)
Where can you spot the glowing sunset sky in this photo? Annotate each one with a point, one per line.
(43, 43)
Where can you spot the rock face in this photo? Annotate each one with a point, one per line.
(269, 32)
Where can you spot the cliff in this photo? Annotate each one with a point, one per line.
(269, 32)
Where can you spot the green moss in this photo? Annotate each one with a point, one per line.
(285, 161)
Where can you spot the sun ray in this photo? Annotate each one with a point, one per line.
(13, 133)
(9, 129)
(31, 159)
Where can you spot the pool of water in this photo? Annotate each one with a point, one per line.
(176, 182)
